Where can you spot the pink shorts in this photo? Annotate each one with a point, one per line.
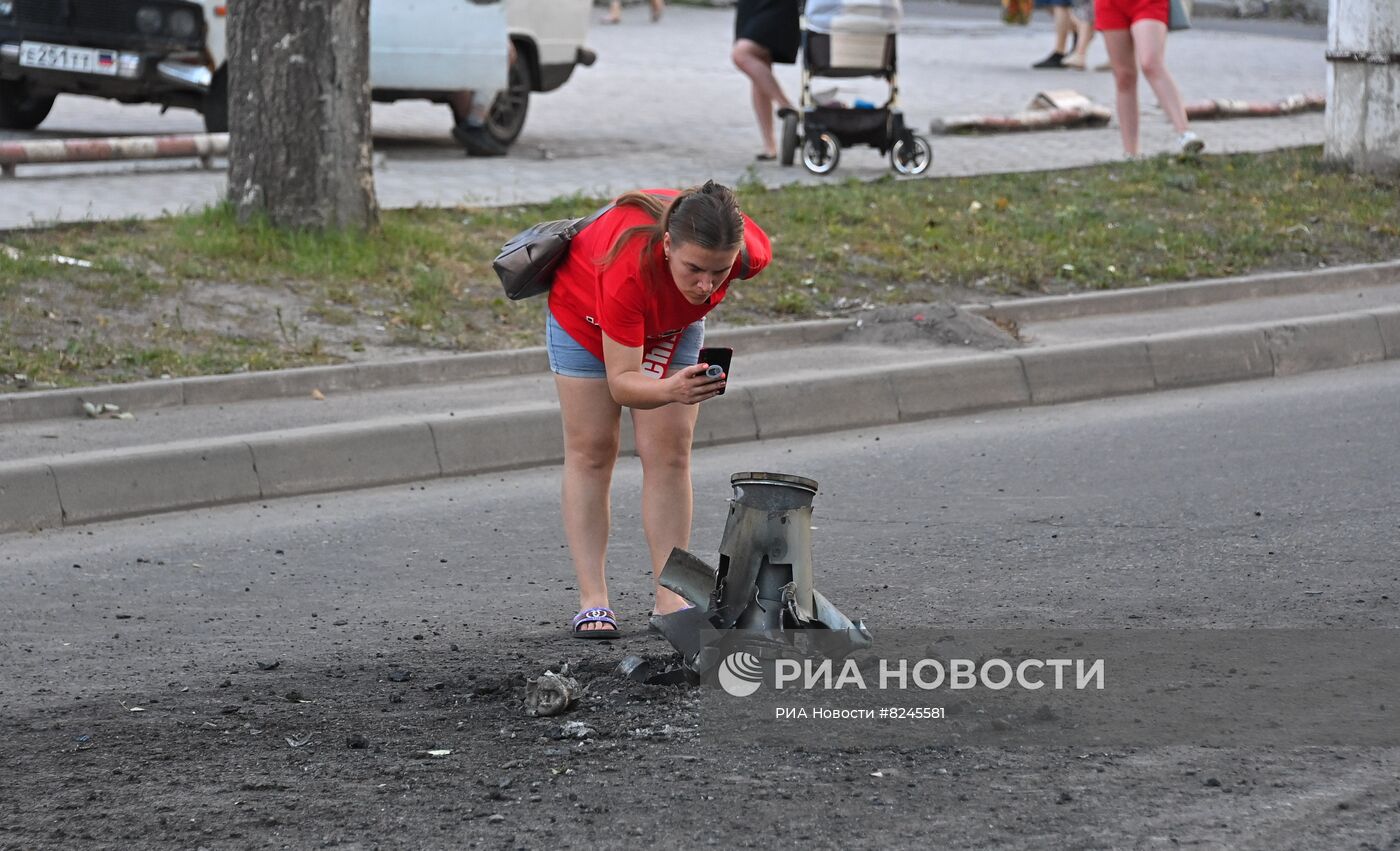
(1121, 14)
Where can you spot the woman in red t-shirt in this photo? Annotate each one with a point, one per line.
(626, 322)
(1135, 33)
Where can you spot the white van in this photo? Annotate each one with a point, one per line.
(172, 52)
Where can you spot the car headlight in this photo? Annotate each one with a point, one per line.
(149, 20)
(7, 8)
(183, 23)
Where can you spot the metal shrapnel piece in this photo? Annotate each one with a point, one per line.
(763, 585)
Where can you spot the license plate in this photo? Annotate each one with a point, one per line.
(62, 57)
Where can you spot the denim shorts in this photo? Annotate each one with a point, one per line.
(568, 358)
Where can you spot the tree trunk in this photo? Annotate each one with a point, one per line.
(299, 112)
(1363, 85)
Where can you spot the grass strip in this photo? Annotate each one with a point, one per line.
(200, 294)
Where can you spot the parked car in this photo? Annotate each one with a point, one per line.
(172, 52)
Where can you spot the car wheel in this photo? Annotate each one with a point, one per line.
(19, 110)
(215, 106)
(507, 117)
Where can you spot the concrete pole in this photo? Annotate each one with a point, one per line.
(1363, 84)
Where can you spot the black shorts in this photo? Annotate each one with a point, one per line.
(773, 24)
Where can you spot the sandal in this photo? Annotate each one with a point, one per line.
(602, 615)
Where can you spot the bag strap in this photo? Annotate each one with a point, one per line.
(580, 224)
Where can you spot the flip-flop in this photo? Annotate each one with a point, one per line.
(763, 158)
(602, 615)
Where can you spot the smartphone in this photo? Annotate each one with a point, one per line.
(717, 356)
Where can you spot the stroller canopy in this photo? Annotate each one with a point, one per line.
(854, 16)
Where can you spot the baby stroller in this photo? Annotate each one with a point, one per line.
(851, 38)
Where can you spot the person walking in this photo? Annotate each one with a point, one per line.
(626, 321)
(615, 11)
(1081, 16)
(766, 31)
(1064, 27)
(1135, 33)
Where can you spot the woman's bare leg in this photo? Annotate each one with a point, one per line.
(1125, 74)
(1150, 42)
(757, 64)
(664, 439)
(592, 423)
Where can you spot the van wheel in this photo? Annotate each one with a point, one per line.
(19, 110)
(507, 117)
(215, 106)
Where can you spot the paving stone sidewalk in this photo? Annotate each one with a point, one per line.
(663, 106)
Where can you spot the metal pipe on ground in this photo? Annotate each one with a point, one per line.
(204, 146)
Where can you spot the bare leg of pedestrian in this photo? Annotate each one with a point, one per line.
(657, 7)
(1063, 27)
(664, 437)
(1084, 30)
(1125, 74)
(614, 13)
(757, 64)
(592, 423)
(1150, 42)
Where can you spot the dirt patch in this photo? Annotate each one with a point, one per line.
(936, 324)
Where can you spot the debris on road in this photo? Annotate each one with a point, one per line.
(576, 730)
(1048, 110)
(1206, 110)
(551, 693)
(300, 741)
(99, 410)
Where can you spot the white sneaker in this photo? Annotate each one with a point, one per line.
(1190, 144)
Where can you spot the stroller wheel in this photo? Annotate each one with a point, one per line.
(911, 156)
(821, 153)
(789, 147)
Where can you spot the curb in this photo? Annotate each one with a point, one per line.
(1193, 294)
(285, 383)
(244, 387)
(108, 485)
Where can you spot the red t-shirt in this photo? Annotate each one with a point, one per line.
(588, 299)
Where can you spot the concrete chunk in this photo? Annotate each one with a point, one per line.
(502, 441)
(838, 401)
(968, 384)
(1325, 342)
(339, 457)
(28, 497)
(1208, 357)
(59, 404)
(106, 485)
(1388, 319)
(1087, 371)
